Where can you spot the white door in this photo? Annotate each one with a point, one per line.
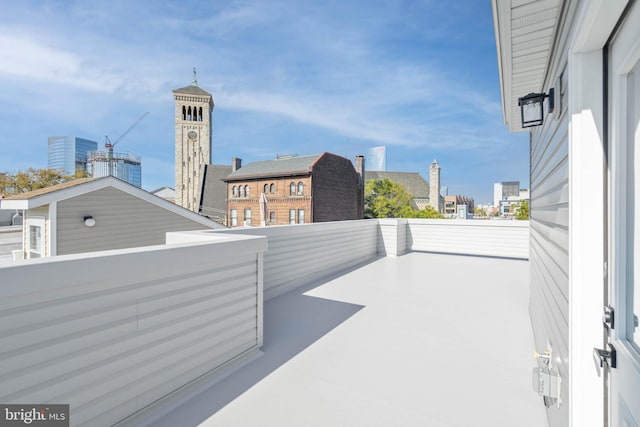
(624, 148)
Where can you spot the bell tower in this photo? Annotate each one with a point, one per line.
(193, 110)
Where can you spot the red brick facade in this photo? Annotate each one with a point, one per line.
(328, 191)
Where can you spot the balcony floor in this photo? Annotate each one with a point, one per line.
(418, 340)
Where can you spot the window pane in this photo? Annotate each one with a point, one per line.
(247, 216)
(292, 189)
(632, 311)
(35, 241)
(292, 216)
(301, 216)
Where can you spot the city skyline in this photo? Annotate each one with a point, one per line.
(298, 77)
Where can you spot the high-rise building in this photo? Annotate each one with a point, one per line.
(377, 159)
(124, 166)
(504, 190)
(69, 153)
(193, 109)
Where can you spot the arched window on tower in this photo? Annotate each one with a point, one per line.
(292, 189)
(246, 191)
(272, 188)
(266, 188)
(189, 113)
(300, 189)
(195, 114)
(200, 114)
(184, 113)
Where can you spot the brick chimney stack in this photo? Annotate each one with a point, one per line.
(236, 164)
(360, 171)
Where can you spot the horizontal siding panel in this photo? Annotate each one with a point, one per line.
(113, 344)
(549, 240)
(122, 221)
(54, 357)
(301, 254)
(467, 238)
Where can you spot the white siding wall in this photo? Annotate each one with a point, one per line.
(111, 332)
(489, 238)
(122, 221)
(549, 253)
(299, 254)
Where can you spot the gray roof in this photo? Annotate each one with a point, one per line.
(192, 90)
(288, 166)
(411, 181)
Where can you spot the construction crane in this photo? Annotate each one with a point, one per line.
(109, 145)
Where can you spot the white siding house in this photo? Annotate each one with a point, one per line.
(97, 214)
(583, 209)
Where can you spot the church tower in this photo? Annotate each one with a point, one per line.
(434, 186)
(193, 109)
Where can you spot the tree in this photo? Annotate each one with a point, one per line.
(34, 179)
(387, 199)
(522, 211)
(427, 212)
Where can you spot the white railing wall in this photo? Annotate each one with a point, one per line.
(298, 255)
(508, 239)
(112, 332)
(392, 237)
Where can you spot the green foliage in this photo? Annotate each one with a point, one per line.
(34, 179)
(480, 212)
(428, 212)
(522, 211)
(387, 199)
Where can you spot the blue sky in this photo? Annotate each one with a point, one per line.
(286, 76)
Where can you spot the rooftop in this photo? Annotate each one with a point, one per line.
(297, 165)
(413, 182)
(419, 340)
(370, 322)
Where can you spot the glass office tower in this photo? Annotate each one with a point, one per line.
(69, 153)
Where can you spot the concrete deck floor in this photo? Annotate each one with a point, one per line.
(418, 340)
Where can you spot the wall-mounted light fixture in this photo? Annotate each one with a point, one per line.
(532, 110)
(89, 221)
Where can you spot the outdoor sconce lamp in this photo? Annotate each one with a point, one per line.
(532, 110)
(89, 221)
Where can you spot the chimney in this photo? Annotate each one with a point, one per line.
(360, 169)
(236, 164)
(360, 190)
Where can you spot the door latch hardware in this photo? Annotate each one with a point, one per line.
(600, 357)
(608, 317)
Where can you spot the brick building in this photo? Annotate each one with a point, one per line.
(451, 204)
(299, 190)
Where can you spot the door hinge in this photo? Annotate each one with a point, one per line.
(600, 357)
(608, 317)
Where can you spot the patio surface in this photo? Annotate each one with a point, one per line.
(418, 340)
